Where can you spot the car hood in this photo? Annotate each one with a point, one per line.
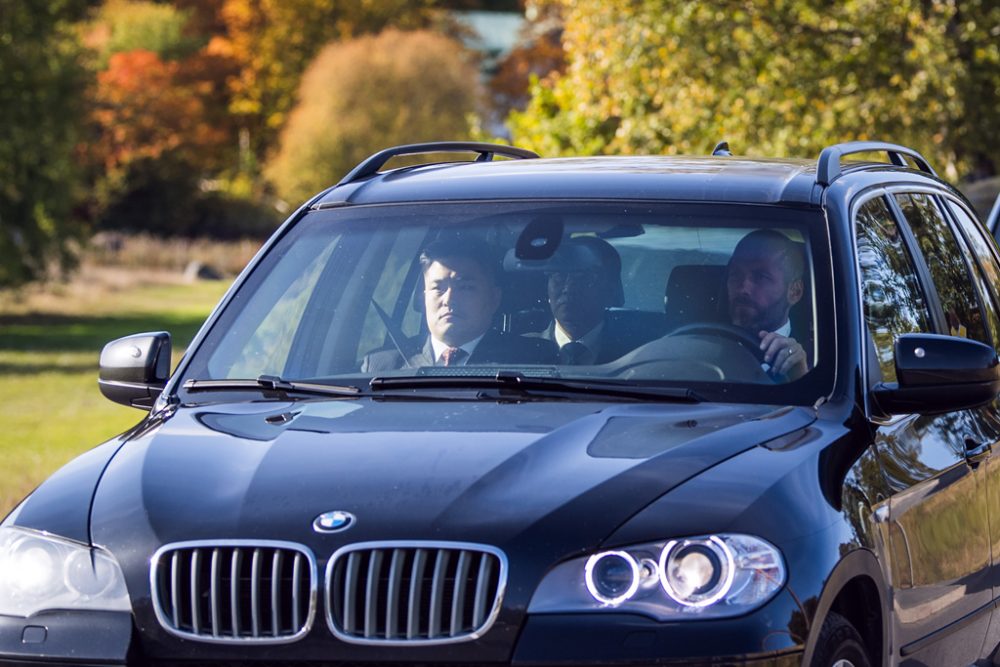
(560, 476)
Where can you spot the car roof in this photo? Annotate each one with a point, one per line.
(675, 178)
(720, 177)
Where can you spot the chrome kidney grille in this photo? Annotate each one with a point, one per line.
(235, 591)
(403, 593)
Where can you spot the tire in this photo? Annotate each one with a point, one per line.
(839, 645)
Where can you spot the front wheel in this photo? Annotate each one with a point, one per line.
(839, 645)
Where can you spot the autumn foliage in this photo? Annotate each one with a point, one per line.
(788, 78)
(214, 116)
(144, 110)
(362, 95)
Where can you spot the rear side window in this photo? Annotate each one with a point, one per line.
(894, 302)
(987, 270)
(947, 266)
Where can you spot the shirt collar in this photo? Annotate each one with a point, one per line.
(785, 329)
(591, 339)
(469, 347)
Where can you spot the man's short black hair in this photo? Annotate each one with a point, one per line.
(479, 252)
(790, 253)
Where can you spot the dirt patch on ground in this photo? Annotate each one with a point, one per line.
(88, 286)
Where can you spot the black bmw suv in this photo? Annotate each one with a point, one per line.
(522, 411)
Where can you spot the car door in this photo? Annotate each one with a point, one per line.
(986, 269)
(914, 279)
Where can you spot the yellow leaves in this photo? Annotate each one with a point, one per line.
(365, 94)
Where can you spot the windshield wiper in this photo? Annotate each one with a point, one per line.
(518, 384)
(273, 383)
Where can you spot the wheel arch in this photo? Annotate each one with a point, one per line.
(856, 590)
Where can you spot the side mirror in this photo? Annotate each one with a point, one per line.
(134, 369)
(939, 374)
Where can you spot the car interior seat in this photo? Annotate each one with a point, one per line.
(694, 293)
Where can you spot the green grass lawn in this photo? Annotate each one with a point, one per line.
(50, 406)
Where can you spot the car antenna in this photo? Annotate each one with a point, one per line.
(722, 149)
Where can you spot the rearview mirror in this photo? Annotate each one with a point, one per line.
(134, 369)
(939, 374)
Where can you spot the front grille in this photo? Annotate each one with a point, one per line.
(414, 592)
(235, 591)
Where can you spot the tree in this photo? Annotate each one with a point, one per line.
(362, 95)
(42, 83)
(537, 56)
(159, 122)
(145, 109)
(153, 138)
(126, 25)
(273, 41)
(778, 77)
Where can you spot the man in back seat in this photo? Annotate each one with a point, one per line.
(586, 284)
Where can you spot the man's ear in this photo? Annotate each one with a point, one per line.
(795, 291)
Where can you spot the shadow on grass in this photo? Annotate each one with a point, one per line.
(33, 368)
(65, 333)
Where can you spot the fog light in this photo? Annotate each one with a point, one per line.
(612, 577)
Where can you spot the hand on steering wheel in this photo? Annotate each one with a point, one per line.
(784, 354)
(743, 337)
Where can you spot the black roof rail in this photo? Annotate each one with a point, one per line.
(722, 149)
(828, 167)
(486, 152)
(994, 217)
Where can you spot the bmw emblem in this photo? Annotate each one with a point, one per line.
(333, 522)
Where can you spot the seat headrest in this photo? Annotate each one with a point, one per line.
(694, 293)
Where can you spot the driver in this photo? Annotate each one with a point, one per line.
(763, 282)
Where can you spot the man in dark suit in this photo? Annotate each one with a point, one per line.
(581, 292)
(461, 297)
(763, 282)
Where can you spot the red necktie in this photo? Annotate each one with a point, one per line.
(452, 356)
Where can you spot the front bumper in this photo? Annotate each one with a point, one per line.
(575, 639)
(66, 638)
(105, 638)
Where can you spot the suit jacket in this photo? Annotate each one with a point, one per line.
(623, 332)
(494, 348)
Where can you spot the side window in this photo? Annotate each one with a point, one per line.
(947, 266)
(265, 349)
(987, 270)
(894, 302)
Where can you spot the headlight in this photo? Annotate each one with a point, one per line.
(40, 572)
(711, 576)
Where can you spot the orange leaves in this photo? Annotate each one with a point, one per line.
(146, 108)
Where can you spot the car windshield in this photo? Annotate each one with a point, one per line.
(720, 299)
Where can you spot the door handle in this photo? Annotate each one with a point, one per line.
(976, 452)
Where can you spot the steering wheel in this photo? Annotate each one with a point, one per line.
(739, 335)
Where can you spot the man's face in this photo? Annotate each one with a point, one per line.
(578, 300)
(759, 293)
(459, 300)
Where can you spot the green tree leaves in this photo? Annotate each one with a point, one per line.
(41, 88)
(774, 77)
